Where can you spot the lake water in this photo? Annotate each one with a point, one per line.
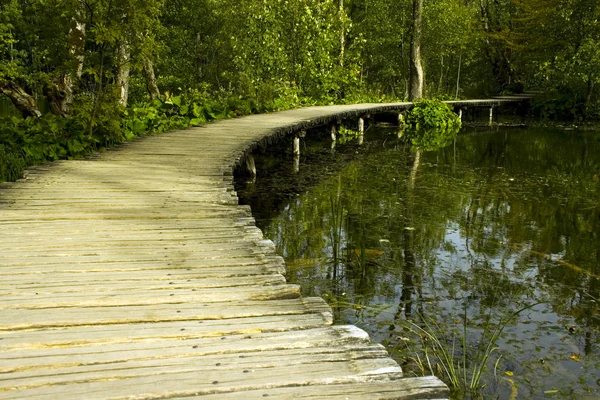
(497, 234)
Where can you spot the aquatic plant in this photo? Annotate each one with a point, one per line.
(458, 361)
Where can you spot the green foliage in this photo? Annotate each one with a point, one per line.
(346, 135)
(225, 58)
(431, 125)
(31, 141)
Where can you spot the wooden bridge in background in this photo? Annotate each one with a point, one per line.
(135, 274)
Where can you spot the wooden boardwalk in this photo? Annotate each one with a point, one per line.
(135, 274)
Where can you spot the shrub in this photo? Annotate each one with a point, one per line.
(431, 124)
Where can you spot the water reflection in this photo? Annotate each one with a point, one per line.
(459, 237)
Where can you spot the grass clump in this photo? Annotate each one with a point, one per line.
(445, 350)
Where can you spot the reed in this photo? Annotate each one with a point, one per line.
(452, 357)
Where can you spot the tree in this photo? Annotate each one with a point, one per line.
(497, 17)
(416, 68)
(560, 43)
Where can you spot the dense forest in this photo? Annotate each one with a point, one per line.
(90, 73)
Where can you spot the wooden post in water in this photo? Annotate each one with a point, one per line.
(460, 113)
(333, 130)
(296, 150)
(491, 115)
(250, 165)
(297, 145)
(361, 128)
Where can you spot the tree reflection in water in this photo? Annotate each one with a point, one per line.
(471, 232)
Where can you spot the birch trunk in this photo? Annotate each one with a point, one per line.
(123, 70)
(342, 32)
(150, 79)
(416, 68)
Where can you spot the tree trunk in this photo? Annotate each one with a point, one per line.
(416, 69)
(497, 55)
(199, 59)
(24, 102)
(150, 79)
(458, 76)
(439, 90)
(77, 42)
(123, 69)
(342, 32)
(60, 90)
(588, 96)
(59, 93)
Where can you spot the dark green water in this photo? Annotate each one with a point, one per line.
(453, 241)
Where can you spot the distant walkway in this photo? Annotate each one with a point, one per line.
(135, 274)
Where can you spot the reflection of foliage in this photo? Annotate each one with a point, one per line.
(432, 125)
(345, 135)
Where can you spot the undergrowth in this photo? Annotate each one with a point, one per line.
(31, 141)
(431, 125)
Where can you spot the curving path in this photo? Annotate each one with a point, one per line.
(136, 275)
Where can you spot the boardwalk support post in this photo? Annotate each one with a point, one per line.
(361, 128)
(333, 130)
(400, 119)
(297, 143)
(250, 165)
(297, 137)
(491, 115)
(460, 112)
(361, 124)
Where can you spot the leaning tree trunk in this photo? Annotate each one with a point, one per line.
(22, 100)
(123, 69)
(416, 69)
(150, 79)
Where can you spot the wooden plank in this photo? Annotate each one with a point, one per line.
(256, 341)
(35, 318)
(171, 381)
(73, 337)
(168, 292)
(102, 367)
(126, 280)
(209, 268)
(414, 388)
